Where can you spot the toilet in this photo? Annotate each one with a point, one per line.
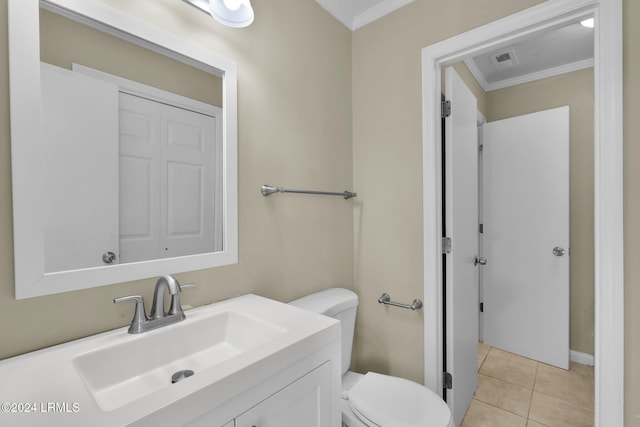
(374, 400)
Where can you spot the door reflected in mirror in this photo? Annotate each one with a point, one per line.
(132, 143)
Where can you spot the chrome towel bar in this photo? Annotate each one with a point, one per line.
(267, 190)
(386, 299)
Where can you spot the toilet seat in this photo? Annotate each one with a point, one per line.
(385, 401)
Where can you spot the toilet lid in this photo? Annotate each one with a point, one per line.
(381, 400)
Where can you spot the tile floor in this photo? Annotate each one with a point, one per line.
(517, 392)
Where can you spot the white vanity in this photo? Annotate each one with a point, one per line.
(255, 362)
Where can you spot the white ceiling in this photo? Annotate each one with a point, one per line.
(553, 52)
(357, 13)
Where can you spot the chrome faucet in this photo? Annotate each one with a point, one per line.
(157, 309)
(157, 317)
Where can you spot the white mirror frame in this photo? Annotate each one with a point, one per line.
(31, 280)
(608, 184)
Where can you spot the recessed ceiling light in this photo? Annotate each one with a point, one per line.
(589, 23)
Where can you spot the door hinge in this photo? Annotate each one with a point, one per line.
(481, 307)
(446, 109)
(480, 148)
(446, 245)
(481, 228)
(447, 380)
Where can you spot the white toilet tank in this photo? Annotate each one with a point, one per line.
(340, 304)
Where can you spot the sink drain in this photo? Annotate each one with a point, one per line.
(180, 375)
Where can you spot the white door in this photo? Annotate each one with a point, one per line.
(167, 180)
(188, 166)
(139, 179)
(304, 403)
(80, 169)
(461, 225)
(526, 235)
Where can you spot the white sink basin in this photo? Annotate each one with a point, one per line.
(115, 378)
(122, 373)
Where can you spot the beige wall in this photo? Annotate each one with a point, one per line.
(387, 148)
(64, 42)
(388, 174)
(575, 90)
(294, 109)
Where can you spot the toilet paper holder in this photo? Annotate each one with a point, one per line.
(385, 298)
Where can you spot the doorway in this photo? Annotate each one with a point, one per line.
(608, 183)
(526, 214)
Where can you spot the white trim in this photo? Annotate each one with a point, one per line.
(354, 20)
(377, 12)
(24, 83)
(526, 78)
(582, 358)
(608, 209)
(609, 229)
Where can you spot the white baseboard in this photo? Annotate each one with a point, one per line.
(583, 358)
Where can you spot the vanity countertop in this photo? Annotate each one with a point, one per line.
(47, 388)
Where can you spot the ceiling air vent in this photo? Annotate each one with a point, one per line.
(504, 59)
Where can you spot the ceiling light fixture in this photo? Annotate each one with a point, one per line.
(232, 13)
(589, 23)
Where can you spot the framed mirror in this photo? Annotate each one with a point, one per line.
(124, 149)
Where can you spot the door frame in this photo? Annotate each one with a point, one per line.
(608, 183)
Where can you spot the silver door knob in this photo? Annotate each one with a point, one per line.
(558, 251)
(479, 260)
(108, 257)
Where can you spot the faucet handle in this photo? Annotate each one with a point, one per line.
(187, 286)
(175, 306)
(139, 315)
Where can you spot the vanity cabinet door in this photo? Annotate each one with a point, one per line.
(305, 402)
